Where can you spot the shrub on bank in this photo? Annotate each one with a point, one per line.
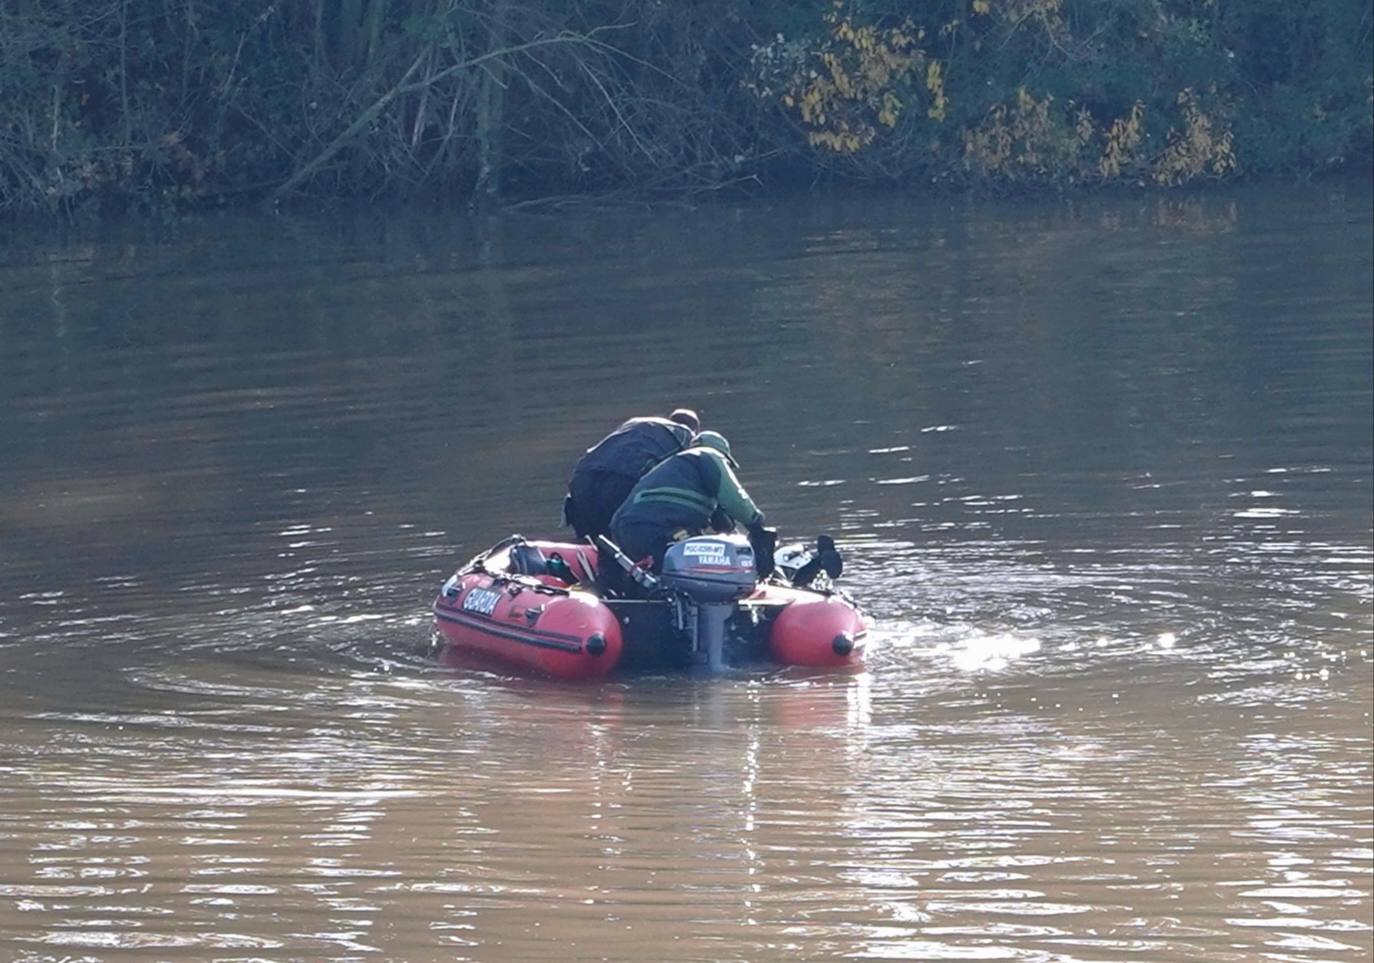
(155, 103)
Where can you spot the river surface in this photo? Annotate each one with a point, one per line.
(1103, 476)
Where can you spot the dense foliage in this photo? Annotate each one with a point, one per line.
(150, 103)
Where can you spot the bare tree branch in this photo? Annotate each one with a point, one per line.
(404, 86)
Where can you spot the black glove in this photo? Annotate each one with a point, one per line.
(764, 541)
(829, 556)
(721, 522)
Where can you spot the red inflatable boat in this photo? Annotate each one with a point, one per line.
(539, 605)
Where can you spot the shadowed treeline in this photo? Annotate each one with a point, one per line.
(150, 104)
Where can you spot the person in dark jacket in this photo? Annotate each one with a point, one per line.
(604, 476)
(686, 493)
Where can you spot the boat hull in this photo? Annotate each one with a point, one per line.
(506, 605)
(568, 635)
(816, 630)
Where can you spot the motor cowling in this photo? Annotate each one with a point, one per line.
(711, 568)
(789, 558)
(800, 564)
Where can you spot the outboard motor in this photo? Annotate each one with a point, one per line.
(707, 575)
(800, 563)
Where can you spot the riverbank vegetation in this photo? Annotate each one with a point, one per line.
(156, 104)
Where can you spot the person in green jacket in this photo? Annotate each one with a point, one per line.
(686, 493)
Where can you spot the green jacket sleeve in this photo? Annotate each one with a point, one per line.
(731, 496)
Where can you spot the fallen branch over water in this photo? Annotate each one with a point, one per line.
(406, 86)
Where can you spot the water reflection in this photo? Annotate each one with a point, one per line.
(1102, 474)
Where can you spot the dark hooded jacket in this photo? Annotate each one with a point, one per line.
(635, 447)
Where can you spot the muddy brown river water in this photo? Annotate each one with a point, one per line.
(1102, 472)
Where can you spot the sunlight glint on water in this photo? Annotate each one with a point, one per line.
(1101, 472)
